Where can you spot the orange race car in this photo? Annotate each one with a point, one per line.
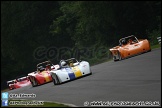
(129, 46)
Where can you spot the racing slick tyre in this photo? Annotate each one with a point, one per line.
(149, 50)
(55, 80)
(34, 82)
(119, 57)
(13, 88)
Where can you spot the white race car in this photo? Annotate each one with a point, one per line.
(70, 69)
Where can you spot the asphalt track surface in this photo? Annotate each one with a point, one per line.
(134, 79)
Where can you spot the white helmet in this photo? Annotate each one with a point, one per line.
(63, 63)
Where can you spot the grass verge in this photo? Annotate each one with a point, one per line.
(155, 46)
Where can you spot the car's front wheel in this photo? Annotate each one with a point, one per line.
(55, 79)
(118, 57)
(33, 82)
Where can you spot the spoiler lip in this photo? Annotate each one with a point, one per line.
(114, 48)
(11, 82)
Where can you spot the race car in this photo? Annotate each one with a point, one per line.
(129, 46)
(70, 69)
(42, 75)
(18, 83)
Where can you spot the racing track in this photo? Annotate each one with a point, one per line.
(134, 79)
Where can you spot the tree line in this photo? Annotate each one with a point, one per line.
(34, 31)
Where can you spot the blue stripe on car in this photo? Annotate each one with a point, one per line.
(70, 73)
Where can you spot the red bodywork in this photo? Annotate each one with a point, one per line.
(43, 76)
(18, 83)
(40, 77)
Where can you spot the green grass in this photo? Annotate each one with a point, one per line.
(44, 104)
(5, 90)
(155, 46)
(98, 61)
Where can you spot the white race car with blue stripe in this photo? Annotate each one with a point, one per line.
(71, 71)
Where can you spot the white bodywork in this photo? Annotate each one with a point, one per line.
(18, 79)
(11, 82)
(78, 69)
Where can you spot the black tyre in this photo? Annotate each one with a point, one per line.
(55, 80)
(119, 57)
(34, 82)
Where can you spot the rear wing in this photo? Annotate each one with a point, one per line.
(44, 63)
(11, 82)
(114, 48)
(22, 78)
(124, 41)
(32, 73)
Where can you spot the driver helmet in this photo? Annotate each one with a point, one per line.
(130, 40)
(40, 68)
(48, 66)
(63, 64)
(71, 65)
(18, 80)
(123, 41)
